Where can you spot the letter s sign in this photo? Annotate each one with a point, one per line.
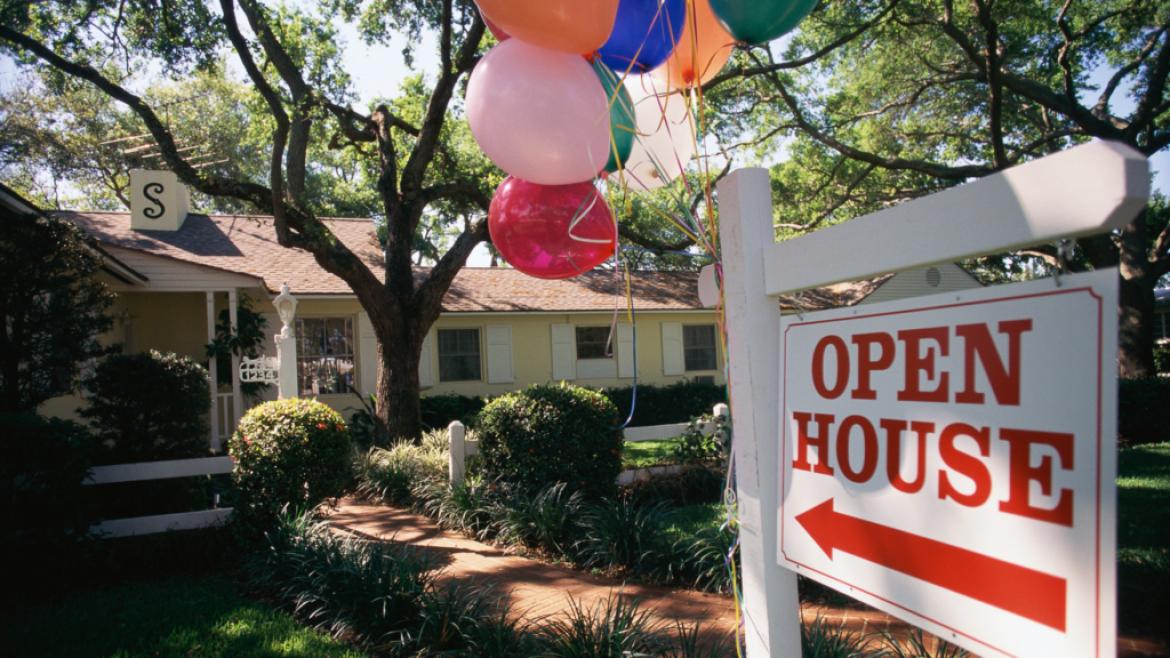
(150, 190)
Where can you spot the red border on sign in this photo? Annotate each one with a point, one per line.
(784, 449)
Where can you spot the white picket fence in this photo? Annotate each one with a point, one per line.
(461, 448)
(159, 470)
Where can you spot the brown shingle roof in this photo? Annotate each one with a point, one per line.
(247, 245)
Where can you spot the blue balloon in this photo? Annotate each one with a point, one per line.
(644, 34)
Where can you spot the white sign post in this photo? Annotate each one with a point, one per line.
(992, 525)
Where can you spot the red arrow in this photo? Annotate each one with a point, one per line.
(1025, 592)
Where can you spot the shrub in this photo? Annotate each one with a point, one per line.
(370, 591)
(390, 474)
(439, 410)
(696, 446)
(547, 434)
(1162, 358)
(146, 407)
(291, 453)
(624, 534)
(702, 560)
(541, 520)
(45, 461)
(467, 507)
(693, 485)
(1143, 412)
(612, 629)
(661, 405)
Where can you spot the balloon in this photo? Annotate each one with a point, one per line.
(666, 136)
(701, 52)
(644, 34)
(572, 26)
(622, 124)
(496, 31)
(539, 114)
(760, 21)
(551, 232)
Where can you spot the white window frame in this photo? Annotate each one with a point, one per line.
(305, 356)
(479, 353)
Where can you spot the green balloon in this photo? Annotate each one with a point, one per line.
(760, 21)
(622, 125)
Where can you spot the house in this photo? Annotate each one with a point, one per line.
(499, 330)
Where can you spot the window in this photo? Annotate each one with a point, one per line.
(325, 355)
(699, 347)
(592, 343)
(459, 355)
(1161, 326)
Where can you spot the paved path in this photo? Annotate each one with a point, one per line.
(538, 589)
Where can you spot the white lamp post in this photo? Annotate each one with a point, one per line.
(286, 344)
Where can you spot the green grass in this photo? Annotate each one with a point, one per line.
(640, 454)
(688, 520)
(180, 617)
(1143, 537)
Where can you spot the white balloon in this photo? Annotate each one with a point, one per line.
(666, 140)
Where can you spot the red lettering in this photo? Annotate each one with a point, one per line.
(894, 428)
(869, 449)
(818, 367)
(867, 362)
(1004, 380)
(965, 464)
(1023, 473)
(920, 361)
(820, 442)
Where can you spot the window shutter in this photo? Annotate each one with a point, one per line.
(672, 349)
(625, 351)
(499, 354)
(426, 360)
(564, 352)
(367, 355)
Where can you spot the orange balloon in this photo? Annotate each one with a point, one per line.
(574, 26)
(702, 51)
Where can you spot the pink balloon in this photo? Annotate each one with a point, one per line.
(551, 231)
(539, 114)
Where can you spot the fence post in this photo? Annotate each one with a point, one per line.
(456, 465)
(721, 411)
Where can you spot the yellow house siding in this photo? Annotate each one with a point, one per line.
(532, 349)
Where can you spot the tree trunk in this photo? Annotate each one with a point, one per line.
(1135, 338)
(398, 387)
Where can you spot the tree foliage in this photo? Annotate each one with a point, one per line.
(53, 310)
(919, 95)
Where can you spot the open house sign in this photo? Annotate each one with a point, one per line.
(951, 460)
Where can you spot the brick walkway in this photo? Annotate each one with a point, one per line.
(538, 589)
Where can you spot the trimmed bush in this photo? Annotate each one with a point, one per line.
(547, 434)
(294, 453)
(147, 407)
(662, 405)
(1143, 412)
(45, 460)
(439, 410)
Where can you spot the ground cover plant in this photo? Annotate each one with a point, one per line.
(206, 616)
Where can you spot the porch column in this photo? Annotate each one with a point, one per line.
(212, 382)
(237, 390)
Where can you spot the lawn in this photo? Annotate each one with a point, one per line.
(688, 520)
(183, 616)
(1143, 537)
(640, 454)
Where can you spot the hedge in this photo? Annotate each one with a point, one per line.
(1143, 410)
(657, 405)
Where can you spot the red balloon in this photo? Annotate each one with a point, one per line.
(551, 231)
(497, 31)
